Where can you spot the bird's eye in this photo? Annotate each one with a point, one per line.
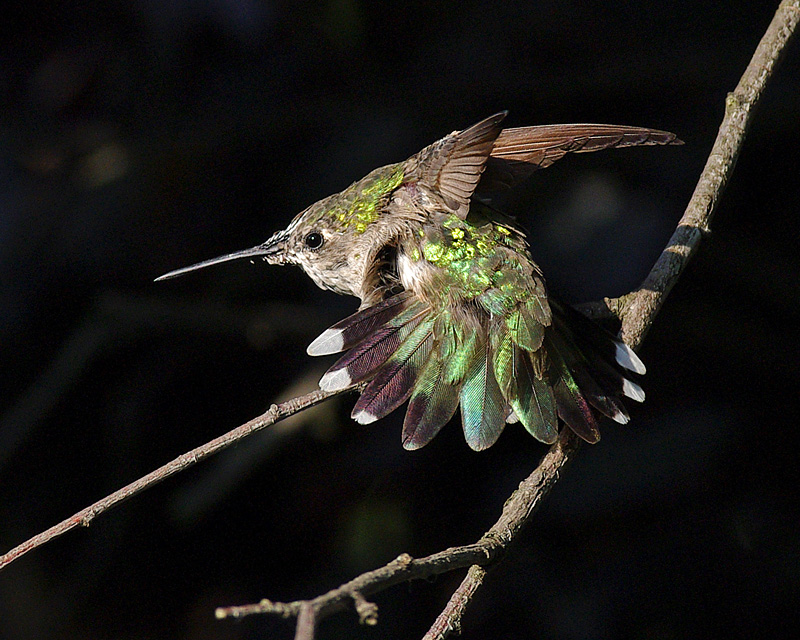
(314, 240)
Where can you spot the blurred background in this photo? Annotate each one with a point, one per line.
(137, 137)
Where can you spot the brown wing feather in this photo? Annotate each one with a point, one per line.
(520, 151)
(453, 165)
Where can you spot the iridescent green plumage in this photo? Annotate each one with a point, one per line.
(454, 312)
(355, 209)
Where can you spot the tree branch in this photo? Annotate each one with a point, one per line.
(450, 617)
(84, 517)
(486, 551)
(637, 311)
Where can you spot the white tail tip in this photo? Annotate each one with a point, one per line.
(329, 341)
(627, 359)
(335, 380)
(632, 390)
(364, 417)
(621, 418)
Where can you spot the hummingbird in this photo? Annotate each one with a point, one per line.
(454, 311)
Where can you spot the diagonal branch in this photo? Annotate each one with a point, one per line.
(85, 516)
(639, 309)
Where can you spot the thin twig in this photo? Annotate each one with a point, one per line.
(85, 516)
(402, 569)
(306, 621)
(449, 620)
(486, 551)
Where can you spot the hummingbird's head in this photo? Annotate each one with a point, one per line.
(309, 242)
(335, 240)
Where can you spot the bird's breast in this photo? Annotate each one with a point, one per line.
(416, 275)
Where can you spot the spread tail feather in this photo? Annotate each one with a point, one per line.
(483, 407)
(367, 356)
(395, 380)
(353, 329)
(500, 369)
(434, 400)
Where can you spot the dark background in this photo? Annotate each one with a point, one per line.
(137, 137)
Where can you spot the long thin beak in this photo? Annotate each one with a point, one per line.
(270, 248)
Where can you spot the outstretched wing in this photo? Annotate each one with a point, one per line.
(453, 165)
(520, 151)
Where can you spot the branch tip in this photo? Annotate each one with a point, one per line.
(367, 611)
